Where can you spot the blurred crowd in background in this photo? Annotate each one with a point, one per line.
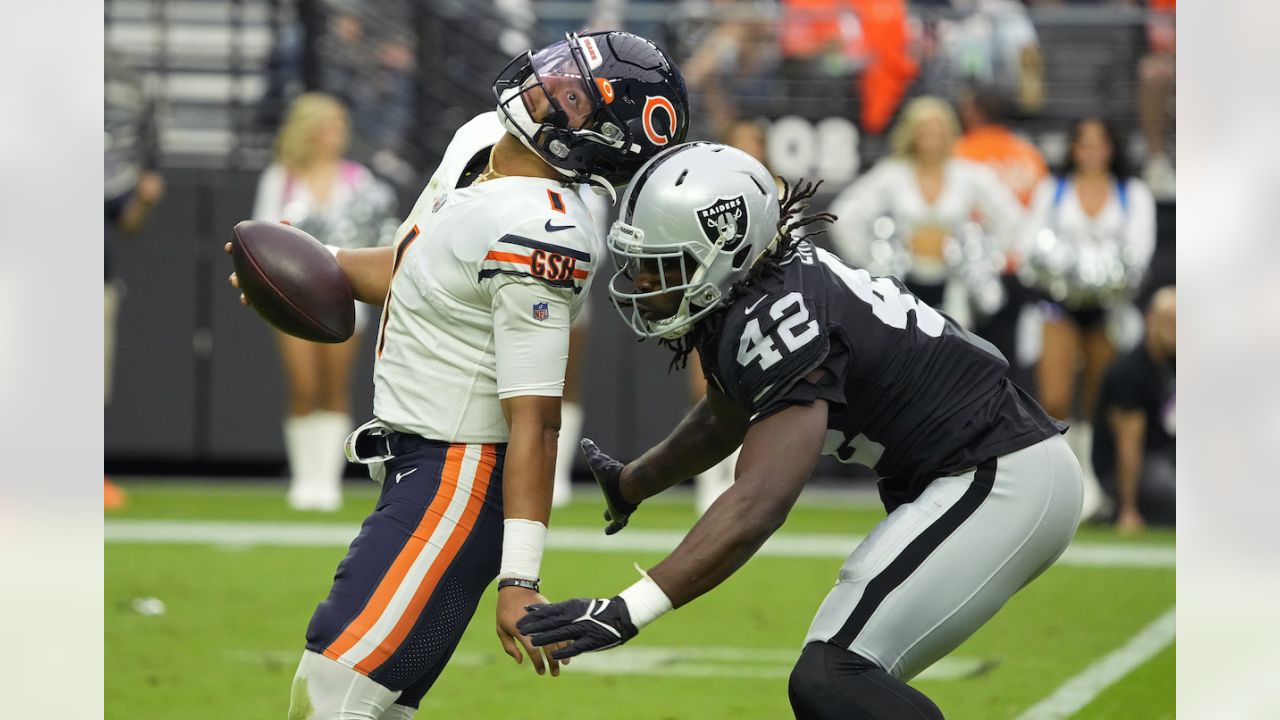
(1013, 162)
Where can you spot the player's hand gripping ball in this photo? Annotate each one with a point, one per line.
(293, 281)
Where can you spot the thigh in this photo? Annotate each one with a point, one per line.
(415, 573)
(301, 363)
(1098, 354)
(1058, 358)
(939, 567)
(334, 371)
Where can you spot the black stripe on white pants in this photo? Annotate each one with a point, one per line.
(936, 569)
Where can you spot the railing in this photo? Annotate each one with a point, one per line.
(414, 70)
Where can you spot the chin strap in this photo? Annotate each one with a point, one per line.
(681, 317)
(603, 187)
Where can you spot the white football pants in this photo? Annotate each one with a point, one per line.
(937, 568)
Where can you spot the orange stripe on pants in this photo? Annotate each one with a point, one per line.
(467, 521)
(381, 597)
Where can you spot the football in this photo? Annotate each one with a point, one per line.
(293, 281)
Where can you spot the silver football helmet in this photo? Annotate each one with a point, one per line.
(709, 210)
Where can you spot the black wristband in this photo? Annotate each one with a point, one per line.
(614, 490)
(519, 582)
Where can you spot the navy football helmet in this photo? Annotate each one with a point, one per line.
(595, 106)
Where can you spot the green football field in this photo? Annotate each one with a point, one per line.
(209, 587)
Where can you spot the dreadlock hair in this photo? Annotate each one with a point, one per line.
(795, 199)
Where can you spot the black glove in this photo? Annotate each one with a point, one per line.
(592, 624)
(607, 471)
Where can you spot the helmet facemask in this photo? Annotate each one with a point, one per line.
(694, 222)
(680, 267)
(553, 103)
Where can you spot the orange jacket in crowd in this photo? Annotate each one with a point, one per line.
(1017, 162)
(871, 30)
(1160, 26)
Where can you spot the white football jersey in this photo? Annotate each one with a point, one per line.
(487, 279)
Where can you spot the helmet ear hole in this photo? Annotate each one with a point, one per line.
(740, 258)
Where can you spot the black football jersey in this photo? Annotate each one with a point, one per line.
(911, 394)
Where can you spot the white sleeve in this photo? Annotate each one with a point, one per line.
(855, 207)
(268, 204)
(531, 338)
(1001, 211)
(1140, 233)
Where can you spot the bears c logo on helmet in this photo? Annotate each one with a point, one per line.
(652, 103)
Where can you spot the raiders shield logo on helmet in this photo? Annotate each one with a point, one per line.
(724, 222)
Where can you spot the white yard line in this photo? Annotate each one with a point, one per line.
(828, 495)
(811, 545)
(689, 661)
(1079, 691)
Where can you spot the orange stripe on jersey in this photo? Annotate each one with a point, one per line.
(557, 202)
(484, 473)
(381, 598)
(401, 249)
(580, 274)
(507, 257)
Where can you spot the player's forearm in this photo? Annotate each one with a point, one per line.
(368, 270)
(697, 444)
(529, 467)
(730, 532)
(778, 454)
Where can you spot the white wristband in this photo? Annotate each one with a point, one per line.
(645, 601)
(333, 250)
(522, 544)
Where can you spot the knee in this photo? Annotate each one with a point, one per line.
(808, 677)
(324, 689)
(832, 683)
(821, 673)
(333, 398)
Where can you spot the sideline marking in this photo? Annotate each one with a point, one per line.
(811, 545)
(1079, 691)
